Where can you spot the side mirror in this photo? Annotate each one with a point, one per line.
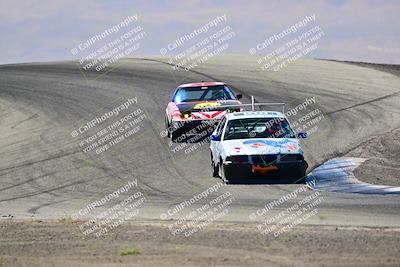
(215, 137)
(302, 135)
(239, 96)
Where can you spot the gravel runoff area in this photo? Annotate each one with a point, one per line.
(149, 243)
(383, 151)
(382, 166)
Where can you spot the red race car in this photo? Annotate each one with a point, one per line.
(199, 105)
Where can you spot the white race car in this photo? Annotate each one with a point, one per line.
(256, 142)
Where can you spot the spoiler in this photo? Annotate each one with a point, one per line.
(252, 105)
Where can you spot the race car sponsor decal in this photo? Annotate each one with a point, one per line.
(206, 104)
(273, 143)
(261, 146)
(256, 144)
(272, 146)
(237, 149)
(292, 147)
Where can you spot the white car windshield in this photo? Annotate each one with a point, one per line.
(258, 128)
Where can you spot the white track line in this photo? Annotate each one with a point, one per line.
(336, 175)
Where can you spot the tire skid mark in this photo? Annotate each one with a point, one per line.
(364, 103)
(34, 116)
(26, 181)
(35, 209)
(30, 163)
(44, 191)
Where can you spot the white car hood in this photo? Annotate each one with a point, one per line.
(262, 146)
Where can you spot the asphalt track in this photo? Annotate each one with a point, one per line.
(44, 173)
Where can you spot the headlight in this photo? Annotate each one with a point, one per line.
(185, 114)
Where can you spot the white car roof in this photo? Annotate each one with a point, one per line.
(254, 114)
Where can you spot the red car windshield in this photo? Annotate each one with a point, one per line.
(189, 94)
